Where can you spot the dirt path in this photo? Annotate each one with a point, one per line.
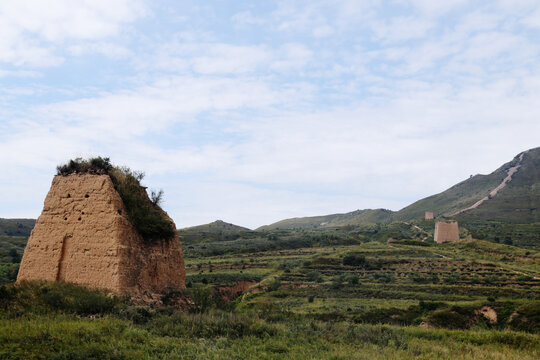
(426, 234)
(494, 192)
(522, 273)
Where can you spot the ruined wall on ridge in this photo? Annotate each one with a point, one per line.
(84, 236)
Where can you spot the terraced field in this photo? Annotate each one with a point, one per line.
(349, 282)
(341, 293)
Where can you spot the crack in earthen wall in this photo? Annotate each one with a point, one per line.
(60, 275)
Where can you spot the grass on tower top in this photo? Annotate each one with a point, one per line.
(144, 213)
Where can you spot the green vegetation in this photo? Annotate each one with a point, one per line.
(358, 217)
(217, 226)
(221, 278)
(11, 251)
(350, 274)
(518, 202)
(16, 227)
(324, 293)
(146, 215)
(329, 287)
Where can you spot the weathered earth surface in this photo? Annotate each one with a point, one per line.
(84, 236)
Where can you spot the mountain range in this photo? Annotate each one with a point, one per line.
(511, 193)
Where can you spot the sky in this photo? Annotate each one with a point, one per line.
(252, 112)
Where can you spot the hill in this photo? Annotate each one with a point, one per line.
(16, 227)
(358, 217)
(519, 201)
(214, 227)
(510, 193)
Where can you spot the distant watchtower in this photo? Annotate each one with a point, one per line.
(446, 231)
(429, 215)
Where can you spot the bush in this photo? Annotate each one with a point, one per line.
(354, 260)
(47, 297)
(8, 273)
(221, 278)
(202, 296)
(337, 281)
(384, 278)
(137, 314)
(379, 335)
(98, 166)
(450, 319)
(314, 276)
(212, 325)
(92, 351)
(527, 318)
(75, 299)
(148, 218)
(169, 294)
(418, 278)
(274, 285)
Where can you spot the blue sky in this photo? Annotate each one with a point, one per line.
(252, 112)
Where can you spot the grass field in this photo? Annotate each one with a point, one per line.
(62, 321)
(307, 294)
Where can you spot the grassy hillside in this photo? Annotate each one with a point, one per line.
(11, 252)
(216, 226)
(338, 293)
(358, 217)
(524, 235)
(459, 196)
(519, 201)
(16, 227)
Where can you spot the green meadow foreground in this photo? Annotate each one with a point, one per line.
(339, 293)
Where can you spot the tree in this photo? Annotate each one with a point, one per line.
(157, 197)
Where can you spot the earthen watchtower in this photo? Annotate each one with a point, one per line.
(84, 235)
(446, 231)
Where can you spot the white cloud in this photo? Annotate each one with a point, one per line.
(323, 31)
(110, 50)
(18, 73)
(533, 20)
(31, 29)
(188, 54)
(402, 28)
(433, 8)
(247, 18)
(292, 56)
(320, 107)
(154, 107)
(213, 58)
